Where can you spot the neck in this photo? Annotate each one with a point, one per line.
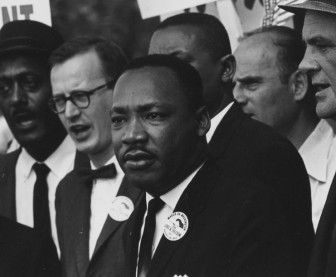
(226, 100)
(301, 129)
(100, 158)
(41, 150)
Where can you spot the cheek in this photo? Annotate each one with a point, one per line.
(331, 72)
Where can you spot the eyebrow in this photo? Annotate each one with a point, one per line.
(315, 39)
(141, 108)
(249, 79)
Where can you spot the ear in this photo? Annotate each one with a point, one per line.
(203, 120)
(298, 84)
(228, 63)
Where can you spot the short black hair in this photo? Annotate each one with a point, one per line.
(213, 35)
(112, 57)
(187, 76)
(291, 48)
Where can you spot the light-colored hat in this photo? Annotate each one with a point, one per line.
(327, 6)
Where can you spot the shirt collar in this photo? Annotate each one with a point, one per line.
(114, 160)
(59, 162)
(62, 160)
(172, 197)
(216, 120)
(315, 151)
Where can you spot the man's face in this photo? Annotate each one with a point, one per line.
(24, 93)
(259, 90)
(155, 134)
(90, 128)
(319, 33)
(183, 42)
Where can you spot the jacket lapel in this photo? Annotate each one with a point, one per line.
(111, 225)
(83, 210)
(8, 185)
(191, 203)
(131, 236)
(325, 235)
(225, 130)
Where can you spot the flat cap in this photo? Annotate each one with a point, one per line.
(28, 35)
(327, 6)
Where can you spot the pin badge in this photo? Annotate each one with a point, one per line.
(121, 208)
(176, 226)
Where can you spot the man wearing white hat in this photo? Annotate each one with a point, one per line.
(319, 33)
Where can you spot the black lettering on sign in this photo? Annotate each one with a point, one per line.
(25, 10)
(200, 9)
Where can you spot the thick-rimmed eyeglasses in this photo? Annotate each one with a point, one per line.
(80, 98)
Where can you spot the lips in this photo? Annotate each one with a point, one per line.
(24, 119)
(318, 87)
(138, 159)
(80, 131)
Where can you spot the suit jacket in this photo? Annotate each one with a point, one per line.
(237, 227)
(23, 253)
(73, 202)
(7, 193)
(245, 147)
(323, 258)
(7, 181)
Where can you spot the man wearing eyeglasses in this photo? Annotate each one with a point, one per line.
(91, 207)
(30, 175)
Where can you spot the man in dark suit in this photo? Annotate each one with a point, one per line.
(319, 33)
(92, 206)
(30, 175)
(24, 253)
(194, 220)
(241, 145)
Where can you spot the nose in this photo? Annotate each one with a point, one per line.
(71, 111)
(239, 95)
(19, 95)
(135, 133)
(308, 63)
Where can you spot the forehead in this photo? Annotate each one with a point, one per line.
(87, 64)
(148, 85)
(174, 38)
(77, 72)
(257, 53)
(16, 64)
(319, 24)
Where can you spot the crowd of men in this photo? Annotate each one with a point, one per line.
(190, 161)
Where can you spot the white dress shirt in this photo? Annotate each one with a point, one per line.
(170, 199)
(60, 163)
(216, 120)
(102, 195)
(319, 155)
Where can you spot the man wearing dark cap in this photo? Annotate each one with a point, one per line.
(319, 33)
(30, 175)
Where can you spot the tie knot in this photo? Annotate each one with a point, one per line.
(41, 170)
(155, 205)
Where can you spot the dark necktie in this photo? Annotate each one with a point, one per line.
(41, 200)
(145, 254)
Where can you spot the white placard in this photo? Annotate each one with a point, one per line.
(150, 8)
(38, 10)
